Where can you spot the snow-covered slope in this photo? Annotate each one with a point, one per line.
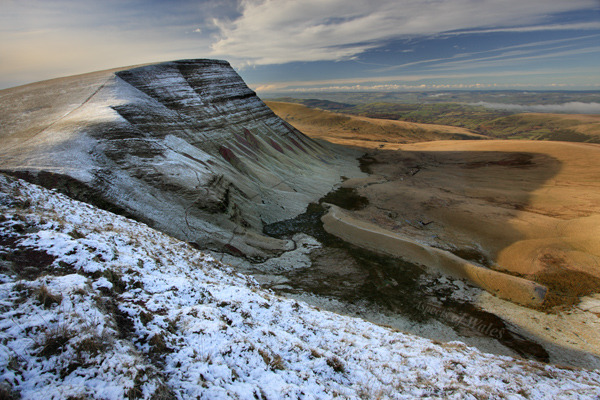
(98, 306)
(185, 146)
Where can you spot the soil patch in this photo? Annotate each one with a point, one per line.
(26, 262)
(346, 198)
(566, 287)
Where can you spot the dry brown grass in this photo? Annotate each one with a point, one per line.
(521, 204)
(46, 298)
(337, 364)
(274, 361)
(584, 123)
(55, 340)
(333, 126)
(566, 287)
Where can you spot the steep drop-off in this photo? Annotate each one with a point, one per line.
(184, 146)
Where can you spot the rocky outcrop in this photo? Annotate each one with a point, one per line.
(184, 146)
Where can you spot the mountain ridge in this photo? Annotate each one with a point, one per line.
(184, 146)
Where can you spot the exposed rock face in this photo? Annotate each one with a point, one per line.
(185, 146)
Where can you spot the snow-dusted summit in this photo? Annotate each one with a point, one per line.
(185, 146)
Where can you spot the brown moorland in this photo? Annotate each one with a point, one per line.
(527, 208)
(546, 126)
(320, 124)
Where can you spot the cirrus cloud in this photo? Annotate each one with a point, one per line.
(281, 31)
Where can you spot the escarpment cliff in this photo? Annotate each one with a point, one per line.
(184, 146)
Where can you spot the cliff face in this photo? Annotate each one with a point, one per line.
(185, 146)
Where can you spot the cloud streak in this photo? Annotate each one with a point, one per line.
(574, 107)
(508, 57)
(329, 39)
(514, 58)
(411, 82)
(281, 31)
(554, 27)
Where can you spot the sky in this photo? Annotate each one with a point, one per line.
(315, 45)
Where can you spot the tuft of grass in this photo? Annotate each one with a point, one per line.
(274, 361)
(337, 364)
(82, 344)
(46, 298)
(91, 346)
(159, 345)
(75, 234)
(55, 341)
(84, 352)
(146, 317)
(367, 392)
(314, 353)
(163, 392)
(23, 291)
(7, 393)
(144, 376)
(115, 278)
(23, 204)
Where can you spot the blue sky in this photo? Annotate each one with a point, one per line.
(306, 45)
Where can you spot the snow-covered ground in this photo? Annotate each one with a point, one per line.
(97, 306)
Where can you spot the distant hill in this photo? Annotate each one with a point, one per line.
(537, 126)
(491, 123)
(320, 123)
(317, 103)
(522, 97)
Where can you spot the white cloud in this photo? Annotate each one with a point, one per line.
(279, 31)
(41, 39)
(513, 58)
(411, 80)
(555, 27)
(574, 107)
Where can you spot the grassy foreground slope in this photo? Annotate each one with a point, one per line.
(96, 306)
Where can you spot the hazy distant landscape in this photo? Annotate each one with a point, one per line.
(491, 114)
(509, 97)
